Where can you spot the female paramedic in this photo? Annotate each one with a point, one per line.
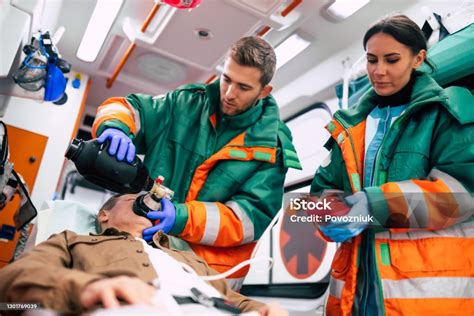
(406, 154)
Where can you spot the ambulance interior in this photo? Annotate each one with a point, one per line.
(320, 57)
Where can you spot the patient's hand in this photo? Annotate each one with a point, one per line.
(109, 291)
(272, 309)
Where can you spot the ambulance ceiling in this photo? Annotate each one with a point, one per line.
(171, 52)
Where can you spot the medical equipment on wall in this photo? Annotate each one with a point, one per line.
(12, 183)
(43, 68)
(95, 164)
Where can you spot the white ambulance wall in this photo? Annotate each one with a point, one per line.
(54, 121)
(309, 137)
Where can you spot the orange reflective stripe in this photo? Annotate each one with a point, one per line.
(424, 203)
(196, 224)
(433, 186)
(465, 229)
(427, 257)
(352, 151)
(201, 172)
(443, 209)
(436, 306)
(127, 119)
(344, 268)
(200, 175)
(395, 199)
(350, 161)
(237, 140)
(336, 307)
(333, 306)
(334, 128)
(230, 227)
(222, 259)
(358, 138)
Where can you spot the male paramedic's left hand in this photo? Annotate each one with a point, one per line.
(167, 217)
(340, 231)
(120, 146)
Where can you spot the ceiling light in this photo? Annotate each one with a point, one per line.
(101, 21)
(289, 48)
(342, 9)
(161, 69)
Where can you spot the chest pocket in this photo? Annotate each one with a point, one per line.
(408, 165)
(411, 156)
(95, 252)
(226, 178)
(431, 254)
(187, 134)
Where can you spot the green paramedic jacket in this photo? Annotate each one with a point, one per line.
(225, 196)
(428, 150)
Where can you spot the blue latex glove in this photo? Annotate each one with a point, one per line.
(120, 144)
(167, 217)
(341, 231)
(340, 234)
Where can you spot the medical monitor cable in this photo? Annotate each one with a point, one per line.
(243, 263)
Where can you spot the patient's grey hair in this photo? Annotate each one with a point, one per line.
(107, 206)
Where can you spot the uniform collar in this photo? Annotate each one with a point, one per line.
(242, 120)
(111, 232)
(261, 123)
(402, 97)
(425, 91)
(160, 239)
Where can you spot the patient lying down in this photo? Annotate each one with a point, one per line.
(73, 273)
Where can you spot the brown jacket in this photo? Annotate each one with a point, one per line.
(55, 272)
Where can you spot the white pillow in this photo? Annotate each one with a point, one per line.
(61, 215)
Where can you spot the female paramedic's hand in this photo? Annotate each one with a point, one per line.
(167, 217)
(120, 144)
(109, 291)
(340, 231)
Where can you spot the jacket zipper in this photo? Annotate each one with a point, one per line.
(376, 180)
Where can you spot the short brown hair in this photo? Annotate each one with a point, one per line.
(110, 203)
(107, 206)
(253, 51)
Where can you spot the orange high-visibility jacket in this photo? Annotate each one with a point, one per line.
(424, 179)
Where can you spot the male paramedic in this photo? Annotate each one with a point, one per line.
(221, 148)
(72, 273)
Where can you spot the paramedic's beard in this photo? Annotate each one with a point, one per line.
(231, 109)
